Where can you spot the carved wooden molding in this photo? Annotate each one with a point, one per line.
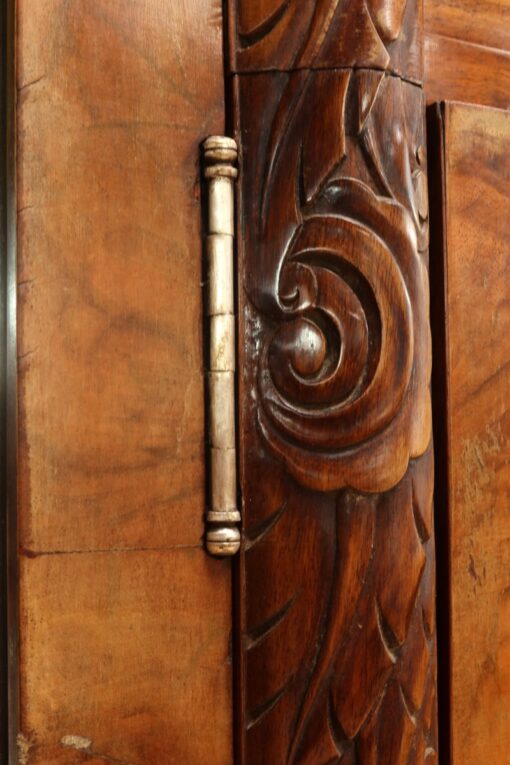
(285, 35)
(337, 572)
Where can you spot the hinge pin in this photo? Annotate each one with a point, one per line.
(220, 171)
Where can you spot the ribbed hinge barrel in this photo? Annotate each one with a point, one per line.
(222, 517)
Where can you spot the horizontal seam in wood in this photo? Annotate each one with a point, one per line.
(28, 553)
(291, 70)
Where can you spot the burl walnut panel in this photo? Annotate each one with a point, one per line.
(337, 568)
(124, 620)
(474, 389)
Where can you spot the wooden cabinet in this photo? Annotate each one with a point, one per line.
(124, 640)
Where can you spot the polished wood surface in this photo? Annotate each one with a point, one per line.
(467, 51)
(479, 22)
(124, 621)
(326, 34)
(8, 548)
(475, 436)
(460, 71)
(129, 652)
(337, 568)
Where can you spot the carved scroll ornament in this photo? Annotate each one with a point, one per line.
(344, 372)
(337, 573)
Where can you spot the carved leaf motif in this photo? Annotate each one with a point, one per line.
(342, 283)
(370, 670)
(362, 631)
(358, 46)
(258, 17)
(324, 138)
(294, 34)
(338, 586)
(387, 138)
(388, 17)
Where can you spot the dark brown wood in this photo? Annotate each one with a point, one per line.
(337, 569)
(125, 621)
(326, 34)
(473, 145)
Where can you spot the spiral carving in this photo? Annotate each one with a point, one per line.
(340, 374)
(337, 574)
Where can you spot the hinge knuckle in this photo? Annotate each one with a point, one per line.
(220, 171)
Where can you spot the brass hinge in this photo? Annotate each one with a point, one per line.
(220, 171)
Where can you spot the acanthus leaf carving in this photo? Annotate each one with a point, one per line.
(344, 373)
(337, 574)
(286, 35)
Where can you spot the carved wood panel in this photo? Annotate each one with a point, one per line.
(286, 35)
(337, 568)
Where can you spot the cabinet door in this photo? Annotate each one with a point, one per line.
(470, 263)
(124, 621)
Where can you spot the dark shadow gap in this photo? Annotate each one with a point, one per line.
(8, 407)
(436, 175)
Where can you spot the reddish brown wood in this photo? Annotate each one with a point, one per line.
(337, 570)
(484, 23)
(467, 51)
(125, 621)
(474, 144)
(460, 71)
(326, 34)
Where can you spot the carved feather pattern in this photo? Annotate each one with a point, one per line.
(338, 567)
(332, 379)
(369, 637)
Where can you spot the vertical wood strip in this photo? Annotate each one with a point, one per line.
(338, 564)
(125, 620)
(8, 552)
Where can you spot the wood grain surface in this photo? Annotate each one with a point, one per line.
(476, 435)
(124, 624)
(461, 71)
(479, 22)
(326, 34)
(123, 650)
(337, 569)
(467, 51)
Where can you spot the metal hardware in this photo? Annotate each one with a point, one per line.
(222, 535)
